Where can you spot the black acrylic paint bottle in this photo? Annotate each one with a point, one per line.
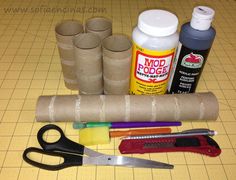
(196, 38)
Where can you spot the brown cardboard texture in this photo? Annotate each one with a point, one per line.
(111, 108)
(65, 32)
(117, 50)
(88, 63)
(91, 84)
(100, 26)
(116, 87)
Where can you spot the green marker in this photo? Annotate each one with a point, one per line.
(78, 125)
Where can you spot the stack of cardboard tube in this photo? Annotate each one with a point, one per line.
(96, 63)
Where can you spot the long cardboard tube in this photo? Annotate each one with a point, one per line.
(117, 50)
(113, 108)
(88, 63)
(100, 26)
(65, 32)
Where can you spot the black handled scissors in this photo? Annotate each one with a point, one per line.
(73, 154)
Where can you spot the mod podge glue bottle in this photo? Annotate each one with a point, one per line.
(196, 38)
(154, 42)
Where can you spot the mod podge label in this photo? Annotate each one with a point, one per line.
(150, 70)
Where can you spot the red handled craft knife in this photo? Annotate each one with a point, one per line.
(201, 144)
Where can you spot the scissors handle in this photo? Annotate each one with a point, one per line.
(69, 159)
(63, 144)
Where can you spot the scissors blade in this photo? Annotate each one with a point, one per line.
(110, 160)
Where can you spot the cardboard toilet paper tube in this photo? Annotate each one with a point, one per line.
(65, 31)
(100, 26)
(88, 63)
(116, 87)
(117, 50)
(112, 108)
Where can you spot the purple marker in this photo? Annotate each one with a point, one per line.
(79, 125)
